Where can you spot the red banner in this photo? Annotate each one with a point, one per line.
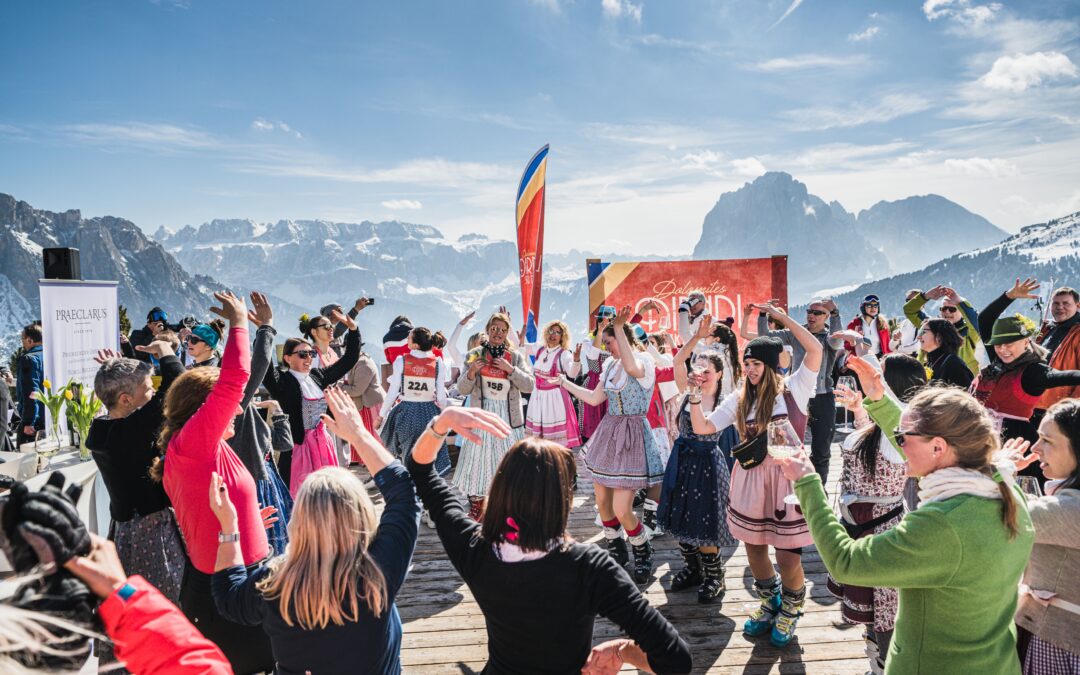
(728, 286)
(530, 238)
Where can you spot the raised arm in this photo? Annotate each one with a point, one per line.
(206, 427)
(744, 325)
(679, 362)
(262, 352)
(626, 352)
(810, 344)
(346, 424)
(341, 367)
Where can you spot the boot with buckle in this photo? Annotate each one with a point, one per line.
(762, 618)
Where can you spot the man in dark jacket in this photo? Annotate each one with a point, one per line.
(156, 321)
(31, 377)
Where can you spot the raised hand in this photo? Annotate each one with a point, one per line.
(232, 308)
(221, 504)
(869, 378)
(268, 516)
(951, 294)
(1018, 451)
(796, 466)
(852, 337)
(337, 317)
(1024, 290)
(104, 355)
(623, 316)
(936, 293)
(469, 423)
(159, 349)
(827, 303)
(261, 314)
(705, 327)
(649, 305)
(346, 422)
(361, 303)
(467, 318)
(848, 397)
(577, 353)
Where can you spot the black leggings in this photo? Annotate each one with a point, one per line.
(246, 647)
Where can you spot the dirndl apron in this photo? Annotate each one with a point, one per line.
(551, 413)
(317, 449)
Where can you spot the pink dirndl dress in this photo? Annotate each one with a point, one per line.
(316, 450)
(551, 414)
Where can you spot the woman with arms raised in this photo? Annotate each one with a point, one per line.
(955, 559)
(335, 586)
(200, 409)
(539, 590)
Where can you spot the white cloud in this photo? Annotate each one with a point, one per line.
(788, 12)
(436, 172)
(259, 124)
(704, 160)
(961, 11)
(400, 204)
(888, 108)
(163, 137)
(864, 36)
(994, 167)
(805, 61)
(616, 9)
(1020, 72)
(749, 167)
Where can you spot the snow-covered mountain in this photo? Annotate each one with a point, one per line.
(1044, 251)
(775, 214)
(110, 248)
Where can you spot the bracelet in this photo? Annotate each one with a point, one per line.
(692, 401)
(431, 430)
(228, 538)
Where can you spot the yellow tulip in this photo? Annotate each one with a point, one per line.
(47, 384)
(68, 395)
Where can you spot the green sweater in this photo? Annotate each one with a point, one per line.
(968, 328)
(954, 565)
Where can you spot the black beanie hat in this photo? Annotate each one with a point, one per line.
(765, 349)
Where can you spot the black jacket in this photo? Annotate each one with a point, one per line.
(285, 388)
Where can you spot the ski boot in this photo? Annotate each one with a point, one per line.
(643, 562)
(762, 618)
(648, 517)
(476, 508)
(791, 607)
(616, 544)
(690, 575)
(639, 498)
(712, 571)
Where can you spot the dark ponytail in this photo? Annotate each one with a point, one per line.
(426, 340)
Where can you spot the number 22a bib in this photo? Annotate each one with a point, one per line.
(418, 379)
(495, 382)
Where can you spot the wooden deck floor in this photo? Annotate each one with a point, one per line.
(444, 628)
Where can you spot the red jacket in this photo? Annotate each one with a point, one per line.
(153, 637)
(883, 334)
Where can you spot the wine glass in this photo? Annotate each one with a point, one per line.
(1029, 485)
(698, 372)
(849, 382)
(45, 447)
(784, 442)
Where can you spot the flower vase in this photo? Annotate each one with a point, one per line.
(84, 452)
(56, 437)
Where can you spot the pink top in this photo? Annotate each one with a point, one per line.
(198, 449)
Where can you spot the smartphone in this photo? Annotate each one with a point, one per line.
(370, 301)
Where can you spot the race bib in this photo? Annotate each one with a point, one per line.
(418, 380)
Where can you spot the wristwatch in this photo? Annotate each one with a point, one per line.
(431, 429)
(228, 538)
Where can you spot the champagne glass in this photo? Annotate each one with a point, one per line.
(1029, 485)
(44, 447)
(698, 372)
(849, 382)
(784, 442)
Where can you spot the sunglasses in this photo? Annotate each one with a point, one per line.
(497, 330)
(873, 304)
(900, 436)
(321, 326)
(304, 354)
(193, 340)
(816, 312)
(949, 310)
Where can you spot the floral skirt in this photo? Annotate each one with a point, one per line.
(151, 546)
(478, 462)
(694, 501)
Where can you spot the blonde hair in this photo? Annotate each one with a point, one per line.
(966, 426)
(764, 394)
(29, 639)
(498, 316)
(565, 341)
(327, 569)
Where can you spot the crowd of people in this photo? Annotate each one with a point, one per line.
(244, 540)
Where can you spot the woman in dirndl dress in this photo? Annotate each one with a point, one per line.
(872, 495)
(623, 455)
(697, 482)
(494, 378)
(299, 390)
(594, 355)
(551, 413)
(757, 513)
(417, 394)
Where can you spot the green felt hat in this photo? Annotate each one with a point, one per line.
(1009, 329)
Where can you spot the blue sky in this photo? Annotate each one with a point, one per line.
(177, 112)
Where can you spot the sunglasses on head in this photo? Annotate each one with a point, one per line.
(304, 354)
(816, 312)
(873, 304)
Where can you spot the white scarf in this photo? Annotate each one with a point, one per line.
(953, 481)
(308, 388)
